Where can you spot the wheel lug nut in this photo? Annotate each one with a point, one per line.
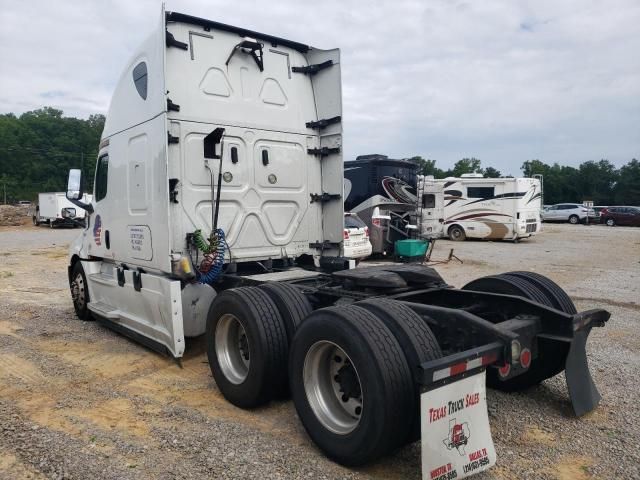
(337, 359)
(345, 398)
(358, 410)
(336, 378)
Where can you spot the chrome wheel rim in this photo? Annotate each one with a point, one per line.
(333, 388)
(78, 291)
(232, 348)
(573, 220)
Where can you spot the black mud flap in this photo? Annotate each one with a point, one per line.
(582, 391)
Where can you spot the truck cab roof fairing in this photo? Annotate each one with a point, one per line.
(242, 32)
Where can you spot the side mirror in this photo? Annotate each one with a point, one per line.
(74, 190)
(74, 184)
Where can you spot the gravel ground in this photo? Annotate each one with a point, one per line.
(79, 401)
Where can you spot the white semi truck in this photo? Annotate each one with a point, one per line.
(218, 211)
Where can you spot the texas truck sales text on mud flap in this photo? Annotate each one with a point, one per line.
(456, 437)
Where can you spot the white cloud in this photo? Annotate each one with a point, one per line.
(503, 81)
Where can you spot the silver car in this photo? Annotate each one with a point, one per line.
(567, 212)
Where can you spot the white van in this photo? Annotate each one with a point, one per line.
(54, 209)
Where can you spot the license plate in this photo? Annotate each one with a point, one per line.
(456, 437)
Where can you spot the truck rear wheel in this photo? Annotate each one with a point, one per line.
(416, 339)
(351, 384)
(247, 346)
(553, 292)
(292, 304)
(551, 354)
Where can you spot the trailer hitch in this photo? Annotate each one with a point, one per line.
(582, 390)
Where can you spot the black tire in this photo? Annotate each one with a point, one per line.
(509, 285)
(574, 219)
(80, 292)
(610, 222)
(382, 372)
(456, 233)
(293, 305)
(557, 297)
(263, 337)
(35, 221)
(416, 339)
(551, 354)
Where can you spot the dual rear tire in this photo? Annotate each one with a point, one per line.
(552, 354)
(349, 369)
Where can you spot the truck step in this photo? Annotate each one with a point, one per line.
(104, 310)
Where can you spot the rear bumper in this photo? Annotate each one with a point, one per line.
(504, 345)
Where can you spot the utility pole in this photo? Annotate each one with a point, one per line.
(81, 171)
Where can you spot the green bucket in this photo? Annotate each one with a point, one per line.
(411, 248)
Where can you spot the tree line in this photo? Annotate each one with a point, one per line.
(598, 181)
(38, 148)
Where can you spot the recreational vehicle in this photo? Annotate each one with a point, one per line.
(218, 211)
(382, 191)
(487, 208)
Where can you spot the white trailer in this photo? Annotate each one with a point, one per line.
(487, 208)
(218, 210)
(54, 209)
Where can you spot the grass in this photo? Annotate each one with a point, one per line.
(6, 274)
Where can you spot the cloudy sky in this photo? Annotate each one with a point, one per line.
(501, 80)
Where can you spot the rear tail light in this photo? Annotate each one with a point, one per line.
(376, 221)
(366, 232)
(346, 234)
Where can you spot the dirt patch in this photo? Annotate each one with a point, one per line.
(535, 436)
(12, 216)
(573, 468)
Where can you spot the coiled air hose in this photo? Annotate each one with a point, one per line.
(214, 251)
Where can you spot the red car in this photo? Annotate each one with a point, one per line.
(620, 216)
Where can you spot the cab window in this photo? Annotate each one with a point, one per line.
(102, 174)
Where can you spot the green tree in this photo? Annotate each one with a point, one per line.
(38, 148)
(627, 189)
(427, 167)
(491, 172)
(466, 165)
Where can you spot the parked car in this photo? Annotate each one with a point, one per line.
(356, 237)
(596, 212)
(567, 212)
(620, 216)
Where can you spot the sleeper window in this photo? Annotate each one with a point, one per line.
(140, 79)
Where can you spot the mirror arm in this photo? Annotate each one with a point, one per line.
(85, 206)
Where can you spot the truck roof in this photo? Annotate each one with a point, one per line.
(242, 32)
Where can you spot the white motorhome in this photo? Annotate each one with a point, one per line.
(54, 209)
(487, 208)
(218, 210)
